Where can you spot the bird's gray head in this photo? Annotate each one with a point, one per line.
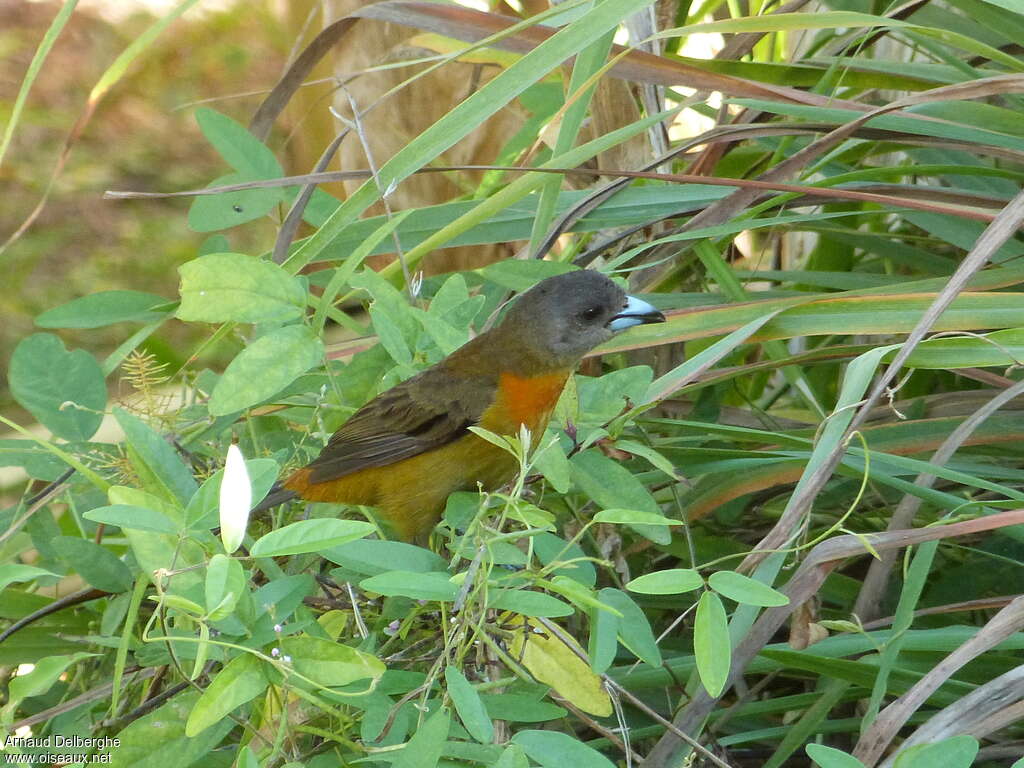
(563, 317)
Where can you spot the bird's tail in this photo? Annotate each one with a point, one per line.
(278, 495)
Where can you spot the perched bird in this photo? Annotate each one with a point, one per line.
(408, 448)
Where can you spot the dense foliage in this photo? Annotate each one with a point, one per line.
(826, 431)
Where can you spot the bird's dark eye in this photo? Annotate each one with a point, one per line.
(591, 313)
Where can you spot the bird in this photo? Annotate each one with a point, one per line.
(408, 448)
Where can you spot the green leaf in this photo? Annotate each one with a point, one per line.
(553, 749)
(512, 757)
(371, 557)
(37, 682)
(956, 752)
(310, 536)
(829, 757)
(104, 308)
(32, 457)
(528, 603)
(425, 747)
(159, 739)
(418, 586)
(520, 708)
(469, 706)
(239, 148)
(210, 213)
(633, 628)
(632, 517)
(233, 287)
(603, 641)
(265, 367)
(746, 590)
(329, 663)
(252, 161)
(241, 680)
(669, 582)
(548, 547)
(11, 573)
(129, 516)
(64, 390)
(612, 486)
(155, 458)
(225, 583)
(97, 565)
(711, 645)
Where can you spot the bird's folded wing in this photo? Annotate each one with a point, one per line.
(424, 413)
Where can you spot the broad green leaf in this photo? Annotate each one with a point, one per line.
(549, 548)
(32, 457)
(513, 756)
(829, 757)
(633, 628)
(11, 573)
(310, 536)
(711, 644)
(159, 739)
(129, 516)
(210, 213)
(99, 566)
(329, 663)
(669, 582)
(956, 752)
(37, 682)
(519, 708)
(632, 517)
(233, 287)
(104, 308)
(469, 706)
(528, 603)
(241, 680)
(552, 462)
(612, 486)
(265, 367)
(225, 583)
(239, 148)
(154, 458)
(603, 398)
(418, 586)
(746, 590)
(372, 557)
(425, 747)
(64, 390)
(554, 663)
(251, 159)
(553, 749)
(603, 641)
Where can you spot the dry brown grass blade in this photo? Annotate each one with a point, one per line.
(869, 599)
(725, 209)
(885, 727)
(804, 584)
(986, 709)
(473, 26)
(751, 186)
(1006, 223)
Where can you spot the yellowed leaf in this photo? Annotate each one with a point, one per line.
(554, 663)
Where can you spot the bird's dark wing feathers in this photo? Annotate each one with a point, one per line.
(418, 415)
